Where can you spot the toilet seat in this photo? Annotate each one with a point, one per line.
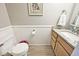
(19, 49)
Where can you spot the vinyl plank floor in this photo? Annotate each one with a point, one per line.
(40, 50)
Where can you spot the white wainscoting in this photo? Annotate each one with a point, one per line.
(7, 38)
(11, 35)
(42, 36)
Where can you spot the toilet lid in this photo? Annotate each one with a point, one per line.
(19, 48)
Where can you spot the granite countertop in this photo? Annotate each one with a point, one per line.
(58, 31)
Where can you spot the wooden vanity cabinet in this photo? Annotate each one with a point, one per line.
(69, 49)
(60, 46)
(54, 39)
(53, 44)
(59, 51)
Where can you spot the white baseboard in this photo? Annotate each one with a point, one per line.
(39, 44)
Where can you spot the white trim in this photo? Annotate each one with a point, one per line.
(32, 26)
(4, 28)
(27, 26)
(9, 32)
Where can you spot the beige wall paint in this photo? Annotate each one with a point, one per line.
(4, 19)
(18, 13)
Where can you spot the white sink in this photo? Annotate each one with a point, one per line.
(73, 39)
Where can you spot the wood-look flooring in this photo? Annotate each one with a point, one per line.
(40, 50)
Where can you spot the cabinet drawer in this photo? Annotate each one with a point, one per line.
(54, 34)
(65, 45)
(53, 38)
(53, 44)
(59, 50)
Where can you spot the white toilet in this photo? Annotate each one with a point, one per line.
(20, 49)
(11, 46)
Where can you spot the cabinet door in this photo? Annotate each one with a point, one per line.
(59, 50)
(54, 34)
(65, 45)
(53, 38)
(53, 44)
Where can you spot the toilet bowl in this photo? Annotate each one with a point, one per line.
(20, 49)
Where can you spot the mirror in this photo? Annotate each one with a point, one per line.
(75, 16)
(75, 23)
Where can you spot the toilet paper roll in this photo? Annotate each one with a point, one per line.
(34, 32)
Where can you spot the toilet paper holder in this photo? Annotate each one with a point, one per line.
(1, 45)
(34, 29)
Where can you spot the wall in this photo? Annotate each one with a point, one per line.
(23, 24)
(18, 13)
(42, 36)
(7, 37)
(4, 19)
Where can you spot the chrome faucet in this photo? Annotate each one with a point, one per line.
(75, 30)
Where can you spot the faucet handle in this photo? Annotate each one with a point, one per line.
(77, 31)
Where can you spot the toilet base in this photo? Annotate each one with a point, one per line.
(18, 54)
(19, 50)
